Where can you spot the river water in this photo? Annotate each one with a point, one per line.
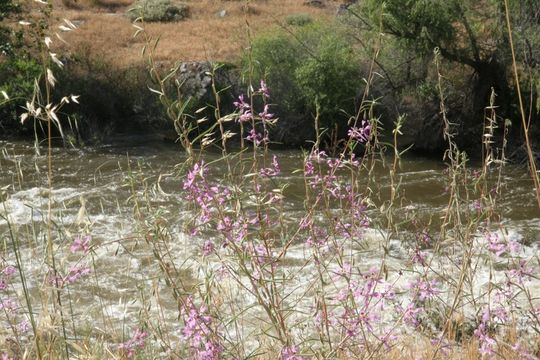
(93, 192)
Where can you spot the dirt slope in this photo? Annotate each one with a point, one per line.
(216, 30)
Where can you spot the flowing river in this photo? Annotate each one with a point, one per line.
(93, 193)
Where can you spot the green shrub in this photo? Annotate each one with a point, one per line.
(427, 90)
(299, 19)
(276, 57)
(332, 77)
(158, 10)
(316, 65)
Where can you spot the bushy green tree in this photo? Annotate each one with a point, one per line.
(468, 32)
(313, 67)
(472, 38)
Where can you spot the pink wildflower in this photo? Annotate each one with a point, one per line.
(411, 315)
(198, 329)
(496, 246)
(271, 171)
(256, 137)
(246, 116)
(9, 270)
(487, 343)
(80, 244)
(75, 273)
(522, 272)
(265, 115)
(419, 257)
(308, 168)
(264, 89)
(8, 305)
(211, 351)
(199, 170)
(362, 133)
(23, 326)
(131, 346)
(289, 353)
(208, 248)
(424, 290)
(241, 104)
(518, 348)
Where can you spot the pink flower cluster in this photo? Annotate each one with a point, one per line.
(487, 343)
(232, 231)
(290, 353)
(198, 329)
(245, 113)
(81, 244)
(363, 301)
(274, 170)
(499, 246)
(257, 138)
(74, 274)
(423, 290)
(204, 195)
(6, 275)
(130, 347)
(362, 133)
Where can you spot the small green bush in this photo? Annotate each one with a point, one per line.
(299, 19)
(158, 10)
(331, 76)
(6, 8)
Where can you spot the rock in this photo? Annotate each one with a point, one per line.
(342, 10)
(78, 23)
(159, 11)
(315, 3)
(195, 79)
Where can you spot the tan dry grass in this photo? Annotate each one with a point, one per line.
(420, 349)
(417, 346)
(470, 350)
(106, 32)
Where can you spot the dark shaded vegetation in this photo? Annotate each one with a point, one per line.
(471, 37)
(113, 100)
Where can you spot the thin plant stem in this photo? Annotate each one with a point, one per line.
(532, 161)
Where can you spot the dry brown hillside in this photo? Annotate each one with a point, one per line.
(105, 31)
